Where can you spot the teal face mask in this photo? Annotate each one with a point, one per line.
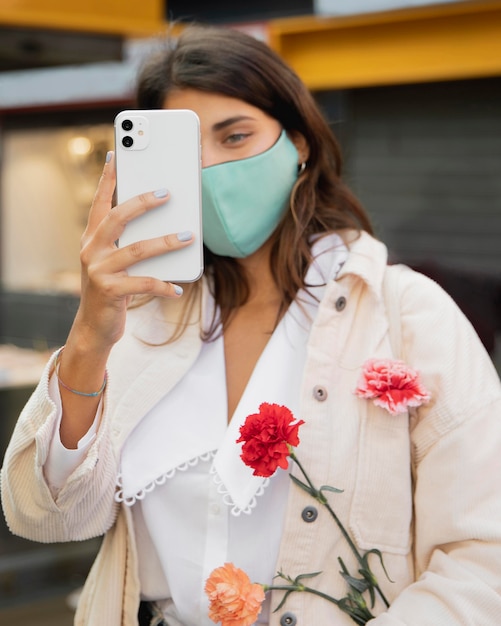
(243, 201)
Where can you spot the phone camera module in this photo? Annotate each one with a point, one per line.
(127, 125)
(127, 141)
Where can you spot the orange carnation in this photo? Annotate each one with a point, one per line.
(234, 600)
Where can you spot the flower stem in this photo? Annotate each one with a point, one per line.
(321, 595)
(358, 617)
(303, 472)
(296, 587)
(323, 500)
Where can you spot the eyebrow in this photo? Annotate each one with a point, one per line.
(231, 120)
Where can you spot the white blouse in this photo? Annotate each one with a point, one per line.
(195, 504)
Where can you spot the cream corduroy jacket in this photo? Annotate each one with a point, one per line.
(423, 488)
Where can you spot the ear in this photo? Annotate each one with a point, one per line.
(302, 147)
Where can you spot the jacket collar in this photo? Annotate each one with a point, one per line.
(367, 260)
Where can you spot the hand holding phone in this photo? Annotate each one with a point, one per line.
(158, 149)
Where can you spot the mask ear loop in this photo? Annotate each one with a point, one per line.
(301, 168)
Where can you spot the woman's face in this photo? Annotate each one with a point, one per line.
(231, 129)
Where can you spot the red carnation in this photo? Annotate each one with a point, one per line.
(268, 436)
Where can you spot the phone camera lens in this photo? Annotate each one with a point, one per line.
(127, 141)
(127, 125)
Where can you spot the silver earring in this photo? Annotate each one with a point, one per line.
(302, 167)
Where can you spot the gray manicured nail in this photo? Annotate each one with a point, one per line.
(186, 235)
(109, 154)
(178, 289)
(161, 193)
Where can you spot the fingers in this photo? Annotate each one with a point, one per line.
(104, 266)
(125, 287)
(107, 272)
(123, 258)
(107, 225)
(112, 225)
(103, 197)
(101, 208)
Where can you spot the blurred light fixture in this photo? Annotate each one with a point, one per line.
(80, 146)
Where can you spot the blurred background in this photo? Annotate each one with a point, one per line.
(412, 90)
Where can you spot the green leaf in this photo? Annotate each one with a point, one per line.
(303, 486)
(283, 576)
(329, 488)
(365, 559)
(303, 576)
(358, 616)
(343, 566)
(282, 602)
(358, 584)
(369, 577)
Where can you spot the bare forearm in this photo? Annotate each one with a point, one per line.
(82, 368)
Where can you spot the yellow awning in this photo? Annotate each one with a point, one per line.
(435, 42)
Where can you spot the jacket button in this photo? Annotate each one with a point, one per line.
(340, 303)
(319, 393)
(288, 619)
(309, 514)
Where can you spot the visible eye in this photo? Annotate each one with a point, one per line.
(236, 138)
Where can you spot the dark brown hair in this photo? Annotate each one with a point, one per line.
(226, 61)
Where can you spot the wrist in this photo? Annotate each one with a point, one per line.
(81, 364)
(85, 338)
(77, 392)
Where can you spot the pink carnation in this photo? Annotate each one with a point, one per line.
(392, 385)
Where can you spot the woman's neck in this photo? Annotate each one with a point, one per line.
(251, 325)
(262, 286)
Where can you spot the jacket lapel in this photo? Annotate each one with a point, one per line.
(148, 368)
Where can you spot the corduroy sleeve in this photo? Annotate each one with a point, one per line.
(84, 507)
(456, 442)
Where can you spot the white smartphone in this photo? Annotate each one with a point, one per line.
(158, 149)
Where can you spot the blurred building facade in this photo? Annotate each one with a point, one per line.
(412, 92)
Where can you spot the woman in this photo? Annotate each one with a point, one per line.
(131, 432)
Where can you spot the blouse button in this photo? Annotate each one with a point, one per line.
(215, 509)
(319, 393)
(309, 514)
(288, 619)
(340, 303)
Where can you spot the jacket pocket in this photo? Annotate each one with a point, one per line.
(381, 512)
